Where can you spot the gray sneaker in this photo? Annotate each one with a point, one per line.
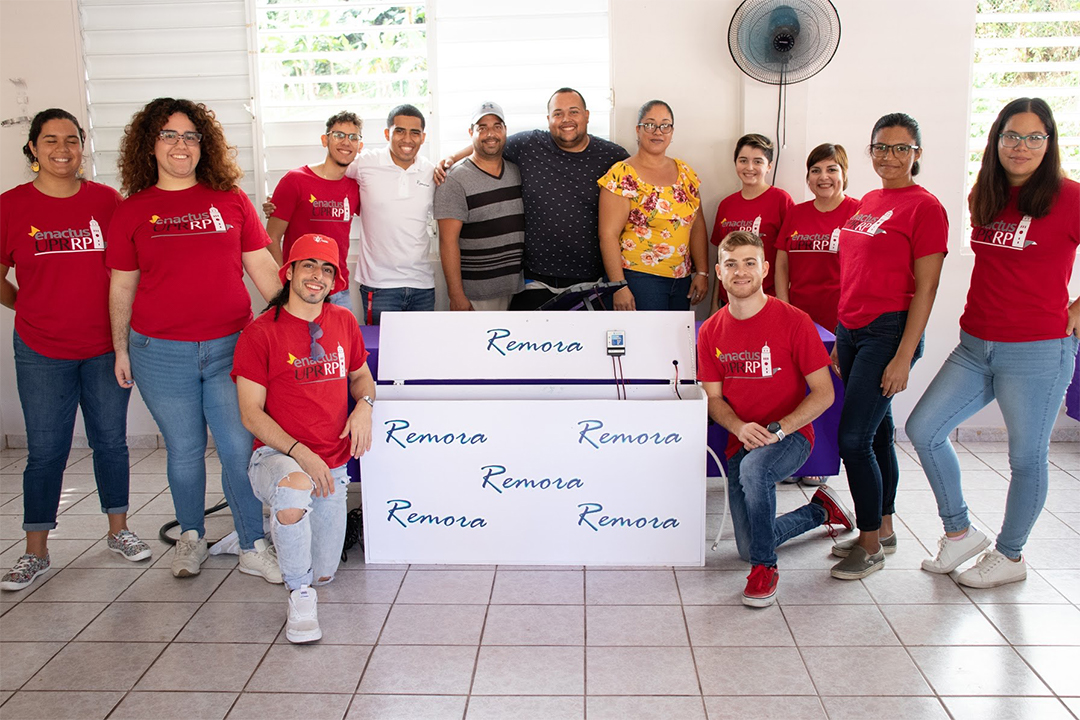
(26, 570)
(129, 545)
(190, 554)
(843, 549)
(858, 564)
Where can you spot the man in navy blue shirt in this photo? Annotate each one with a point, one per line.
(559, 170)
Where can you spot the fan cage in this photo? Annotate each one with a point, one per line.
(750, 39)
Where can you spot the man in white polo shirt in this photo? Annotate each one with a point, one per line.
(394, 266)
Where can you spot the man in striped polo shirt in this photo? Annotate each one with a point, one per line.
(482, 220)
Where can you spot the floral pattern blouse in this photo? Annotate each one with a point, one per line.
(656, 239)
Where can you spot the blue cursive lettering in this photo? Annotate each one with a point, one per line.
(412, 438)
(509, 483)
(496, 334)
(609, 521)
(418, 519)
(645, 438)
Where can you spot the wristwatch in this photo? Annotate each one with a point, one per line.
(369, 400)
(774, 428)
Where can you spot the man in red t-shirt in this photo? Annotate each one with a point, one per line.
(756, 357)
(319, 198)
(295, 367)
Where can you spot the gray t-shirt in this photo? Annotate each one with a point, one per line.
(562, 202)
(492, 239)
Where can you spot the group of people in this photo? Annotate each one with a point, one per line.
(148, 287)
(871, 268)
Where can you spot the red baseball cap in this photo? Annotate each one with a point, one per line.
(317, 247)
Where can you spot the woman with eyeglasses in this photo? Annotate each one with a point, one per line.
(891, 253)
(757, 207)
(1018, 339)
(807, 270)
(178, 248)
(651, 230)
(52, 233)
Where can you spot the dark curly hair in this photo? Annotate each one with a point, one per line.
(38, 123)
(217, 166)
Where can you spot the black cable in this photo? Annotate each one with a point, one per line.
(676, 364)
(163, 533)
(779, 105)
(615, 377)
(622, 378)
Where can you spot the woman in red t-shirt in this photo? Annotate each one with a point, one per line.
(179, 247)
(891, 252)
(52, 233)
(807, 269)
(1018, 339)
(757, 207)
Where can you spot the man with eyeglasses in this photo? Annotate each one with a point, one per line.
(294, 367)
(394, 265)
(319, 198)
(559, 170)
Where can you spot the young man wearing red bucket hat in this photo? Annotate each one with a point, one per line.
(294, 368)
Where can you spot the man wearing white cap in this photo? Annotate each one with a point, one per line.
(482, 220)
(294, 368)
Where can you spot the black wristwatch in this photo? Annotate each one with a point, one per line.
(774, 428)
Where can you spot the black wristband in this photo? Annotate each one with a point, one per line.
(289, 453)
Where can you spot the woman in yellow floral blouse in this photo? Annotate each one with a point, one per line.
(651, 230)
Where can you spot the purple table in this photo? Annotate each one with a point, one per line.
(1072, 395)
(824, 459)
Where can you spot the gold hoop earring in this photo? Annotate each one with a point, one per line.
(34, 166)
(81, 173)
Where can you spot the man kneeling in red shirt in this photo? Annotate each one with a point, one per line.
(294, 368)
(756, 357)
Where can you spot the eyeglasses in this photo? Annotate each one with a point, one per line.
(339, 136)
(316, 332)
(664, 128)
(880, 151)
(1034, 141)
(171, 137)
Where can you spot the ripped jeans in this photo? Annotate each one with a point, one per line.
(311, 548)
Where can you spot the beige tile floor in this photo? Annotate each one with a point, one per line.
(100, 637)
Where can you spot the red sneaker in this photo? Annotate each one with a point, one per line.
(761, 586)
(837, 514)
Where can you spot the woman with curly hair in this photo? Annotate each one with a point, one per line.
(178, 248)
(1018, 340)
(651, 229)
(63, 350)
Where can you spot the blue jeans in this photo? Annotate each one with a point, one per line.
(50, 392)
(752, 478)
(865, 436)
(376, 301)
(653, 292)
(186, 386)
(1028, 379)
(311, 548)
(341, 299)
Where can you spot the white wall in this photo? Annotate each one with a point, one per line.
(675, 50)
(919, 66)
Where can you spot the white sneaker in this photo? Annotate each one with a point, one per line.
(262, 561)
(953, 553)
(190, 553)
(993, 569)
(303, 623)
